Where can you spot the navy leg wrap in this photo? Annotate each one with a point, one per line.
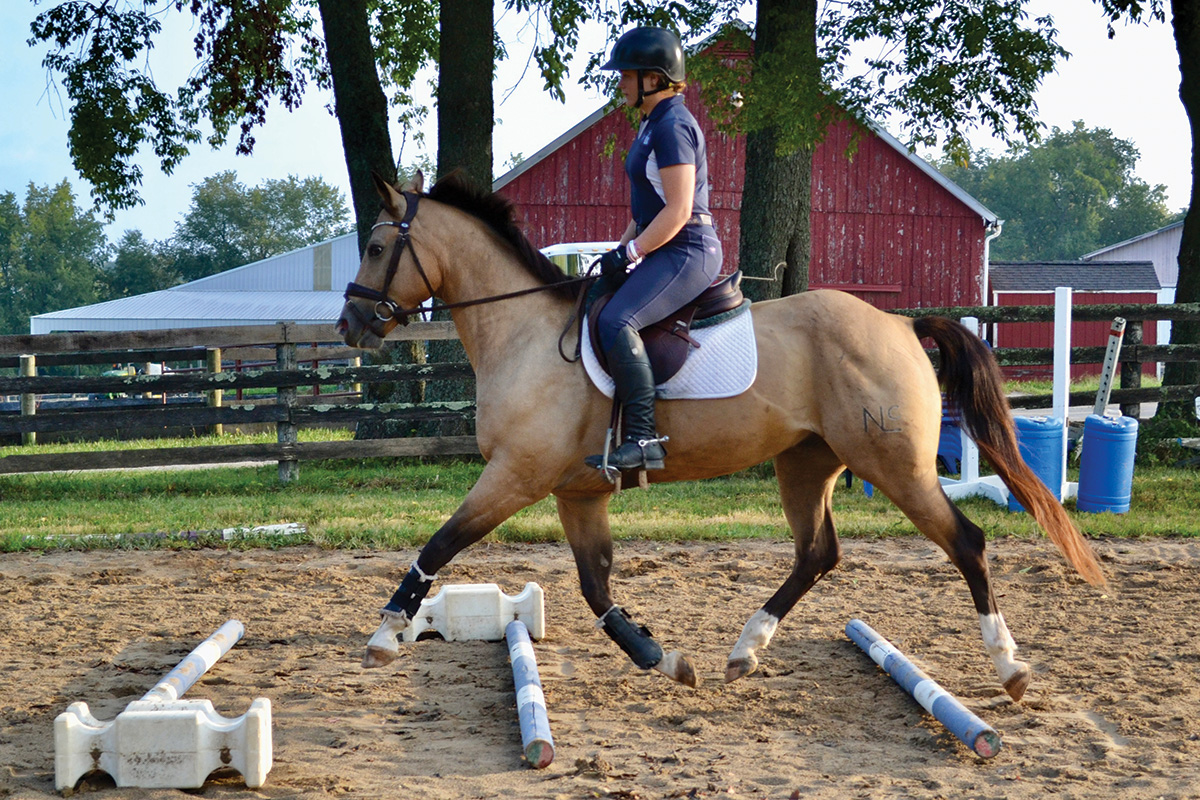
(634, 639)
(412, 591)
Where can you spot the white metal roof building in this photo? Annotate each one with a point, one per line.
(1161, 247)
(303, 286)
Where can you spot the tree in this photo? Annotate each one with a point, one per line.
(229, 224)
(51, 255)
(1185, 19)
(940, 68)
(1185, 23)
(138, 266)
(262, 51)
(466, 63)
(250, 54)
(1072, 193)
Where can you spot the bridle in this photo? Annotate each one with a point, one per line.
(387, 309)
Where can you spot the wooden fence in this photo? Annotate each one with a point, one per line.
(302, 356)
(286, 357)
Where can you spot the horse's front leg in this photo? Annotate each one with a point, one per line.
(807, 474)
(496, 496)
(585, 521)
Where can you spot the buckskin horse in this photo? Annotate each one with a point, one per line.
(842, 385)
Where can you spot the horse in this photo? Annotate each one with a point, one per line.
(842, 385)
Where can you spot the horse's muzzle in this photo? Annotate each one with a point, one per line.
(355, 330)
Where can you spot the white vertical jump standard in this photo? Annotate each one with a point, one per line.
(970, 483)
(1062, 378)
(162, 742)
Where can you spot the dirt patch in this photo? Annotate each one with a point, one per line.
(1111, 713)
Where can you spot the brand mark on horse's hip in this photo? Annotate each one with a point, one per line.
(891, 415)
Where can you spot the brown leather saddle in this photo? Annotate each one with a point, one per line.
(669, 341)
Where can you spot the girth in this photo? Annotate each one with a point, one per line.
(668, 341)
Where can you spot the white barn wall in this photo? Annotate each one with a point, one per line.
(298, 271)
(1161, 247)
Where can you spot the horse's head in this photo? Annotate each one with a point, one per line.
(391, 281)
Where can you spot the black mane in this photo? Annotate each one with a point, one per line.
(500, 214)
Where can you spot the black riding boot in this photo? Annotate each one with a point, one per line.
(630, 368)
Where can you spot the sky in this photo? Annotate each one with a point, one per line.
(1128, 85)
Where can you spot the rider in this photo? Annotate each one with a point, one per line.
(669, 253)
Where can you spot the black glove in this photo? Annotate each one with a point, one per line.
(613, 263)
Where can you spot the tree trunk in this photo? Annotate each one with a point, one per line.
(466, 63)
(1186, 24)
(360, 105)
(777, 195)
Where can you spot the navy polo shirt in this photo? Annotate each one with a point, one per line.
(669, 136)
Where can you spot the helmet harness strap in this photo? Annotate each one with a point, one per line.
(642, 93)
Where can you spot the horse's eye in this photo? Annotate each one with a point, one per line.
(375, 250)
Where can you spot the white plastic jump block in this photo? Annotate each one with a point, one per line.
(478, 611)
(163, 742)
(162, 745)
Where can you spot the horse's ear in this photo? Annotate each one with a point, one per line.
(415, 184)
(387, 193)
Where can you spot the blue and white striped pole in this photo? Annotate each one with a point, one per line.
(974, 732)
(536, 740)
(198, 662)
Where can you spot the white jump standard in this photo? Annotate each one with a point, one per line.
(163, 742)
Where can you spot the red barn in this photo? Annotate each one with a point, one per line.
(886, 225)
(1031, 283)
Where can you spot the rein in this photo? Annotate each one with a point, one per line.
(393, 310)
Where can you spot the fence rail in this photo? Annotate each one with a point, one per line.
(302, 355)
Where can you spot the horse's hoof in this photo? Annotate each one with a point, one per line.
(1018, 682)
(737, 668)
(676, 667)
(378, 657)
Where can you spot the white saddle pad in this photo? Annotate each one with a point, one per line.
(724, 365)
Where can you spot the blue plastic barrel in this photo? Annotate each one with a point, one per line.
(950, 438)
(1106, 464)
(1040, 440)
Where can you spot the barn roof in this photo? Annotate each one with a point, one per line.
(174, 308)
(1134, 240)
(989, 218)
(303, 286)
(1084, 276)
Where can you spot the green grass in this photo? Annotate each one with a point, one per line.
(381, 503)
(101, 446)
(1087, 384)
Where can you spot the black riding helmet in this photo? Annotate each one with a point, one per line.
(648, 50)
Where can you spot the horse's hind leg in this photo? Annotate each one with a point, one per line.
(585, 522)
(807, 474)
(938, 518)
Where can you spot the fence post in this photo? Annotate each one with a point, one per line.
(357, 387)
(285, 359)
(28, 401)
(212, 359)
(1131, 371)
